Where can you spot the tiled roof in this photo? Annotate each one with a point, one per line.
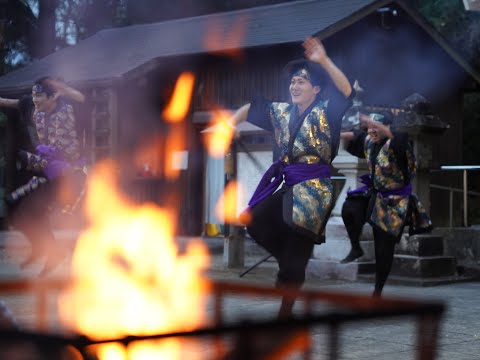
(111, 53)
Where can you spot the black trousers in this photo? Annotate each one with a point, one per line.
(354, 215)
(30, 215)
(291, 249)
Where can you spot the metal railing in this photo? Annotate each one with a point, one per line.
(238, 339)
(464, 169)
(452, 190)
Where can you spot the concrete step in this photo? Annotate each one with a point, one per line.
(420, 245)
(215, 245)
(423, 267)
(323, 269)
(421, 282)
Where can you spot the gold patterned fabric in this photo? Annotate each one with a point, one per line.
(57, 153)
(308, 138)
(391, 213)
(307, 205)
(58, 130)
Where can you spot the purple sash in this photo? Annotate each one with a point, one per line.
(56, 165)
(365, 179)
(294, 174)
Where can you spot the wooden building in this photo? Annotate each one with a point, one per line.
(128, 74)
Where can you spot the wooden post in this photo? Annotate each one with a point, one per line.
(233, 246)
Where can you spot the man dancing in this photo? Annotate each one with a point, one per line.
(386, 201)
(51, 153)
(287, 222)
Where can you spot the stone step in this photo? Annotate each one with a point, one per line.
(420, 282)
(333, 270)
(423, 267)
(420, 245)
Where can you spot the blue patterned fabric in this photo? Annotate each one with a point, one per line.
(393, 206)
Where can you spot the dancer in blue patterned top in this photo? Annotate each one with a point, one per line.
(287, 222)
(386, 200)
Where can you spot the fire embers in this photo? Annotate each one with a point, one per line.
(129, 276)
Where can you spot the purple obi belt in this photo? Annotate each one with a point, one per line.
(294, 174)
(365, 179)
(56, 165)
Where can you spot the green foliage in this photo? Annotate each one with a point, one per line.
(443, 13)
(16, 30)
(460, 27)
(78, 19)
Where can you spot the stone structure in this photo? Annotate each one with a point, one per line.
(417, 257)
(417, 118)
(421, 260)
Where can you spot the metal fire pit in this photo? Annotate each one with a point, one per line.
(258, 338)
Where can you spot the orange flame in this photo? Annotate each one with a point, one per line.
(129, 278)
(219, 137)
(180, 102)
(226, 206)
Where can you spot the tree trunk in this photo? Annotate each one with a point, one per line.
(46, 36)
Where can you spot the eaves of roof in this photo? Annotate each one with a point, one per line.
(110, 54)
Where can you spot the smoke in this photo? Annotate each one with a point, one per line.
(395, 59)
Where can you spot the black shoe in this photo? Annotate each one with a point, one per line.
(354, 254)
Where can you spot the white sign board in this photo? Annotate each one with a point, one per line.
(180, 160)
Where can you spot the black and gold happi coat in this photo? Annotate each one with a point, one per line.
(392, 212)
(307, 205)
(58, 130)
(56, 134)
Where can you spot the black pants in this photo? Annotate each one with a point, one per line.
(291, 249)
(30, 216)
(354, 214)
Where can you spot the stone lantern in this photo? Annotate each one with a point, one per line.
(417, 118)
